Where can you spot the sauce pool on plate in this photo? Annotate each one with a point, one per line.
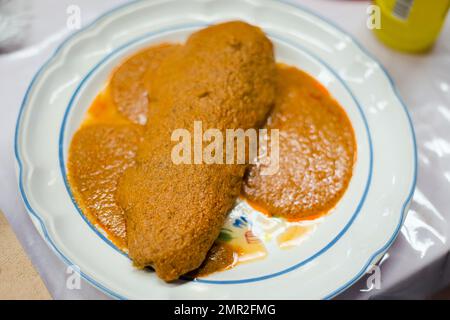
(317, 150)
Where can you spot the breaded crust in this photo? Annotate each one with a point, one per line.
(223, 76)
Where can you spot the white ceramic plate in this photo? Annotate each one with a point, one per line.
(344, 244)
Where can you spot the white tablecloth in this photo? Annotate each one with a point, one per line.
(414, 267)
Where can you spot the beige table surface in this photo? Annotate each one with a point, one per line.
(18, 278)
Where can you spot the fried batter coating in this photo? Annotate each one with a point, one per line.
(223, 76)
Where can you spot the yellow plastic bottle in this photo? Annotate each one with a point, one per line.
(411, 25)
